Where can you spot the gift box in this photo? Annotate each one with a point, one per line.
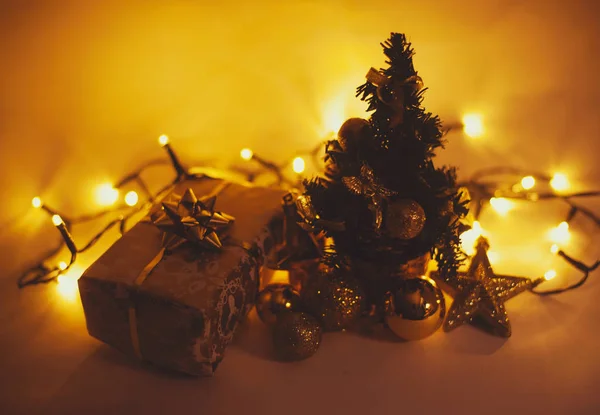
(160, 297)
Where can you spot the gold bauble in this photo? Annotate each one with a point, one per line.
(275, 299)
(405, 219)
(296, 336)
(416, 309)
(336, 299)
(351, 132)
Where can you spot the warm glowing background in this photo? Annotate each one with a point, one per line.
(87, 87)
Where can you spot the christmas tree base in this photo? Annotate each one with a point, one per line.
(377, 279)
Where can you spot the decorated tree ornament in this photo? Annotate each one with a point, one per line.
(394, 161)
(415, 309)
(296, 336)
(335, 298)
(352, 131)
(275, 299)
(405, 219)
(479, 295)
(391, 92)
(367, 185)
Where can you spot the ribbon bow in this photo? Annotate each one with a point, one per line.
(187, 218)
(390, 92)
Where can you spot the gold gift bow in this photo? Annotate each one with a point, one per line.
(184, 218)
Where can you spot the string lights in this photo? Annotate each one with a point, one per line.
(298, 164)
(106, 195)
(498, 187)
(473, 125)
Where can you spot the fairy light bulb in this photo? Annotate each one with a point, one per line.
(550, 274)
(57, 220)
(554, 249)
(298, 165)
(62, 265)
(501, 205)
(131, 198)
(469, 237)
(559, 182)
(36, 202)
(528, 182)
(68, 287)
(163, 140)
(473, 125)
(246, 154)
(106, 194)
(560, 234)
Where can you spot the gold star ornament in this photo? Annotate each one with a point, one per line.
(479, 294)
(187, 218)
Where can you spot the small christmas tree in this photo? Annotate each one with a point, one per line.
(382, 200)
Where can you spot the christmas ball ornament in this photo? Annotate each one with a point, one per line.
(415, 309)
(404, 219)
(275, 299)
(351, 132)
(296, 336)
(335, 298)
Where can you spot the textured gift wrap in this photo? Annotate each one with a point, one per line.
(184, 314)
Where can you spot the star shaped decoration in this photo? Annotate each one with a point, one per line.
(479, 293)
(187, 218)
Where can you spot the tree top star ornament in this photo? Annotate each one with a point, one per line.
(479, 294)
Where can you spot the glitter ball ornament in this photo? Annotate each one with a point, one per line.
(404, 219)
(296, 336)
(335, 298)
(415, 309)
(275, 299)
(351, 132)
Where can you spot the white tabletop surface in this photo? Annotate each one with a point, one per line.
(86, 87)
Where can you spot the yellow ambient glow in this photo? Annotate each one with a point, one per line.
(62, 265)
(298, 165)
(163, 140)
(68, 287)
(554, 249)
(333, 115)
(106, 195)
(493, 257)
(528, 182)
(246, 154)
(560, 234)
(559, 182)
(36, 202)
(131, 198)
(468, 238)
(549, 275)
(57, 220)
(501, 205)
(473, 125)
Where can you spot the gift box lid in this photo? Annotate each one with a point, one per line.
(190, 267)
